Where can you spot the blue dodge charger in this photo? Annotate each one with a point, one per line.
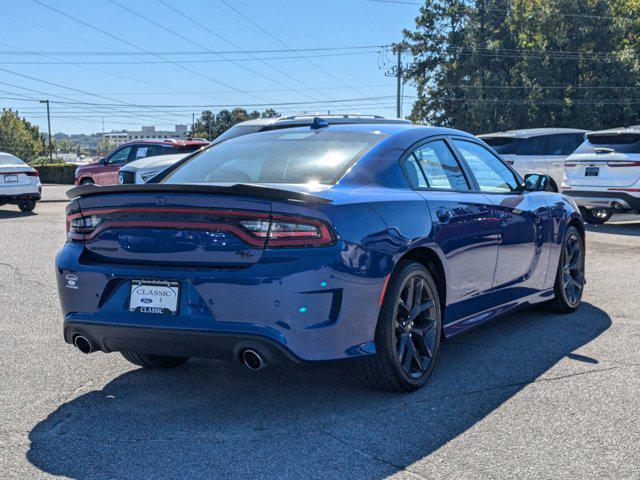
(326, 242)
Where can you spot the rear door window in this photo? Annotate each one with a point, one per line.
(564, 144)
(533, 146)
(504, 145)
(141, 152)
(439, 167)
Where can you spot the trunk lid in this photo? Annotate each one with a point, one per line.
(174, 225)
(14, 176)
(607, 169)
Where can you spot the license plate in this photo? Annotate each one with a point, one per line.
(10, 178)
(154, 296)
(591, 171)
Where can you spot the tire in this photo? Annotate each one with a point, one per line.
(596, 216)
(86, 181)
(570, 278)
(27, 206)
(401, 336)
(148, 361)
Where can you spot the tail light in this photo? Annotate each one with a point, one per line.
(282, 231)
(623, 163)
(259, 229)
(570, 164)
(32, 173)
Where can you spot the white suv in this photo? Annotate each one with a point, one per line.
(19, 183)
(603, 175)
(537, 150)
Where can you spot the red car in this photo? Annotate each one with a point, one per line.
(105, 171)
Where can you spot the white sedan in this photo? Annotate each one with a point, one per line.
(143, 170)
(19, 183)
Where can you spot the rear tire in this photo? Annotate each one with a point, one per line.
(408, 332)
(149, 361)
(596, 216)
(570, 278)
(27, 206)
(86, 181)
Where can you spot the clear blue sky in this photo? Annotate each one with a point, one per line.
(132, 90)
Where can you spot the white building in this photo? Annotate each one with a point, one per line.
(115, 139)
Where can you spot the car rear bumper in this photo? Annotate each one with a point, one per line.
(614, 200)
(20, 193)
(175, 342)
(305, 302)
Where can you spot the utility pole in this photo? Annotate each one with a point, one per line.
(193, 124)
(49, 125)
(399, 86)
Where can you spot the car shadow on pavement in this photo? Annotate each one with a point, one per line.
(628, 228)
(15, 214)
(215, 420)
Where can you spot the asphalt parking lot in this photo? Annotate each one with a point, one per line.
(533, 395)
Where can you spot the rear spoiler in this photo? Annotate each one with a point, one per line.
(244, 189)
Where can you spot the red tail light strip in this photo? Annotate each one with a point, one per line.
(624, 189)
(278, 239)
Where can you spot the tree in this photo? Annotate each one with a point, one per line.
(19, 137)
(489, 65)
(211, 125)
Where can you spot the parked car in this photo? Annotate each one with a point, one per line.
(603, 175)
(329, 242)
(19, 183)
(105, 171)
(140, 171)
(537, 150)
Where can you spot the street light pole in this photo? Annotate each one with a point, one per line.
(49, 125)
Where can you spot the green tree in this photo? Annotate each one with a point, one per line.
(488, 65)
(19, 137)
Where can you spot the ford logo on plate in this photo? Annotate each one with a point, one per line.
(146, 300)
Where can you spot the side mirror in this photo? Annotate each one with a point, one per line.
(102, 161)
(537, 182)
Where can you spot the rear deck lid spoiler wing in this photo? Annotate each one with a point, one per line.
(239, 189)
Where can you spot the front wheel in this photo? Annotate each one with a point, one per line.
(408, 332)
(596, 216)
(27, 206)
(570, 278)
(149, 361)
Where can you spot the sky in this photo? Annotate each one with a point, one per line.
(156, 62)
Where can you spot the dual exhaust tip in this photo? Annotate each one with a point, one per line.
(250, 358)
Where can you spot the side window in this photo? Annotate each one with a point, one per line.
(533, 146)
(120, 156)
(142, 152)
(440, 167)
(416, 178)
(159, 150)
(564, 144)
(492, 175)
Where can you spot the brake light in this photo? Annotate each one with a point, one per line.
(624, 189)
(623, 163)
(570, 164)
(32, 173)
(257, 229)
(283, 231)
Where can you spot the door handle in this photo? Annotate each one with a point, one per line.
(443, 215)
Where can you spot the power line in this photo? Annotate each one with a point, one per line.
(126, 42)
(195, 52)
(212, 32)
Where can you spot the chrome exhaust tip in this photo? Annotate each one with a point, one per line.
(83, 344)
(253, 360)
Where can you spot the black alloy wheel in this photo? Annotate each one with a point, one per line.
(409, 331)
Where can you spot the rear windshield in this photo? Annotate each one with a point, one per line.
(504, 145)
(186, 149)
(8, 159)
(277, 157)
(621, 143)
(237, 131)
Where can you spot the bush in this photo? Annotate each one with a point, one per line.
(56, 173)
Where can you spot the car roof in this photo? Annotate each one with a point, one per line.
(331, 119)
(170, 141)
(390, 129)
(630, 129)
(531, 132)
